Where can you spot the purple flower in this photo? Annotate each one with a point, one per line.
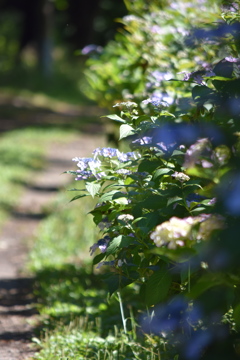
(106, 152)
(123, 157)
(145, 140)
(159, 76)
(155, 29)
(156, 102)
(89, 49)
(102, 245)
(84, 163)
(84, 175)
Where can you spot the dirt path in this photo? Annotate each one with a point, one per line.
(16, 298)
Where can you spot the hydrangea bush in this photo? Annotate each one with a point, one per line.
(168, 203)
(150, 50)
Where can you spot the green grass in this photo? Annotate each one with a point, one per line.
(65, 236)
(22, 154)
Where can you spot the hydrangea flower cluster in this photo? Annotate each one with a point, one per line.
(90, 168)
(156, 102)
(180, 176)
(176, 231)
(112, 152)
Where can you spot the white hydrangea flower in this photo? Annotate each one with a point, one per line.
(172, 232)
(125, 217)
(176, 231)
(180, 176)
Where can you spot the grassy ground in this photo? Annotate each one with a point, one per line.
(79, 320)
(22, 154)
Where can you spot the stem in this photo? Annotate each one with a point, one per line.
(122, 312)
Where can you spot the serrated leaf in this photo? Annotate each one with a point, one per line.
(119, 242)
(115, 118)
(93, 188)
(157, 286)
(126, 130)
(112, 248)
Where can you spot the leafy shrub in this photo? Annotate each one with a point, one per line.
(168, 208)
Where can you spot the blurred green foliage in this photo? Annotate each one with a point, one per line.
(152, 40)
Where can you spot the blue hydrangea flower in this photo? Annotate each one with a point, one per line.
(106, 152)
(84, 175)
(101, 244)
(123, 157)
(145, 140)
(156, 102)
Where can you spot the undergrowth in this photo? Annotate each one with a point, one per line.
(78, 319)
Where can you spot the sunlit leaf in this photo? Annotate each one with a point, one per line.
(115, 118)
(93, 188)
(125, 131)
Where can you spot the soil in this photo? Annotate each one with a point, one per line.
(17, 312)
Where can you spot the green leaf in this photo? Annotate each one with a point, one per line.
(178, 153)
(115, 118)
(78, 197)
(206, 282)
(126, 130)
(198, 210)
(166, 113)
(149, 221)
(108, 196)
(113, 283)
(153, 202)
(93, 188)
(112, 248)
(222, 78)
(157, 286)
(201, 94)
(116, 196)
(160, 172)
(116, 282)
(119, 242)
(148, 165)
(173, 200)
(98, 258)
